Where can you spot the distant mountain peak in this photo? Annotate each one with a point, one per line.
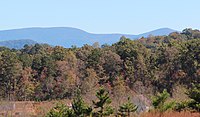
(158, 32)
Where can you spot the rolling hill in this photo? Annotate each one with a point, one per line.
(17, 44)
(66, 36)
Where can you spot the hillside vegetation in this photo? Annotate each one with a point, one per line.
(161, 67)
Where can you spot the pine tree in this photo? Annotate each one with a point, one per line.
(126, 109)
(159, 101)
(60, 110)
(103, 103)
(194, 94)
(79, 106)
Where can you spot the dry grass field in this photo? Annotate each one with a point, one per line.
(27, 108)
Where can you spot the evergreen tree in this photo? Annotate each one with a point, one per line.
(159, 101)
(60, 110)
(103, 103)
(126, 109)
(194, 94)
(79, 106)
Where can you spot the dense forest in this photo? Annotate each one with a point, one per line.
(147, 66)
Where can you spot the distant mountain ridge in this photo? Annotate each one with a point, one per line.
(17, 44)
(67, 36)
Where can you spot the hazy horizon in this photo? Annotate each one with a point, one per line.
(127, 16)
(90, 32)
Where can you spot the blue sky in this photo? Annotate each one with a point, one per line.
(101, 16)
